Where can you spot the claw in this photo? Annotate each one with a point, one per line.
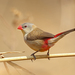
(33, 56)
(48, 55)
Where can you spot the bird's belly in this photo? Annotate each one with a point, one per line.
(38, 45)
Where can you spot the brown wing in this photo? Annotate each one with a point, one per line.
(38, 34)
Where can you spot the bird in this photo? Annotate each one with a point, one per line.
(40, 40)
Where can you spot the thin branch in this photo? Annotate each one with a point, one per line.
(2, 56)
(12, 52)
(37, 57)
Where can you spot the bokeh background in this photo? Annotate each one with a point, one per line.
(53, 16)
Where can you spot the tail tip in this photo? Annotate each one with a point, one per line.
(74, 29)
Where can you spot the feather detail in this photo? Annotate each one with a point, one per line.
(65, 32)
(39, 34)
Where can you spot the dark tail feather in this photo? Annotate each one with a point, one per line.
(64, 33)
(60, 35)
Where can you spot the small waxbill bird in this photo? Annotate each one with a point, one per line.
(38, 39)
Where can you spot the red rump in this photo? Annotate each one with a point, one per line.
(46, 40)
(45, 46)
(58, 34)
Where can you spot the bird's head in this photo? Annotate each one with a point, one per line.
(26, 28)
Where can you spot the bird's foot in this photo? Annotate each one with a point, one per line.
(33, 56)
(48, 55)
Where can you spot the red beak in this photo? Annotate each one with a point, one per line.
(20, 27)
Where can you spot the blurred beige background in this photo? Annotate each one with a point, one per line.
(53, 16)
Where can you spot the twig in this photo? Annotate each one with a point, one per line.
(6, 68)
(16, 66)
(37, 57)
(6, 23)
(2, 56)
(12, 52)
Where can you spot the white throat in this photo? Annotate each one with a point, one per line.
(25, 36)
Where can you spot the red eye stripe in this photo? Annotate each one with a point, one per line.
(25, 26)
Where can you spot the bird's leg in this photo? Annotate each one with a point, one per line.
(48, 55)
(34, 55)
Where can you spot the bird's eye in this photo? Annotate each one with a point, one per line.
(25, 26)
